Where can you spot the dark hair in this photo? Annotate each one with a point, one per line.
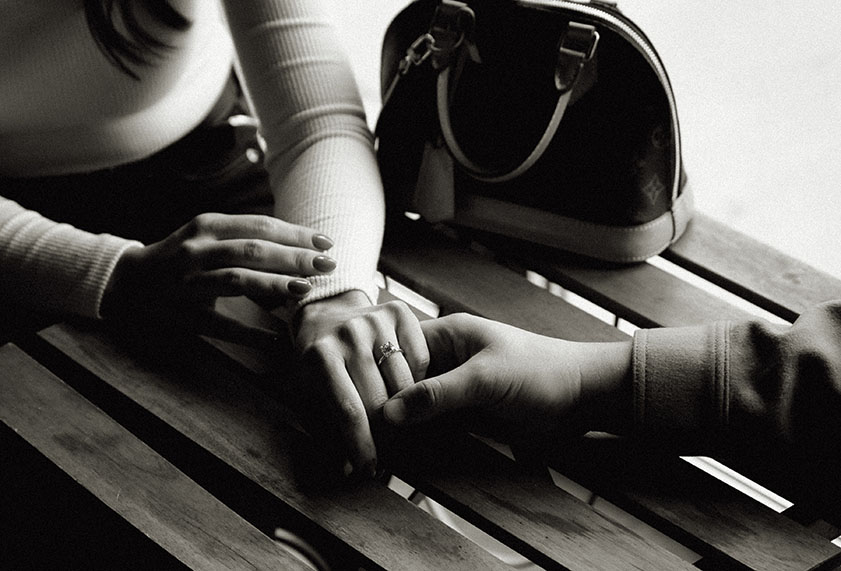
(135, 46)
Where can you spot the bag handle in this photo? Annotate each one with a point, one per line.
(576, 47)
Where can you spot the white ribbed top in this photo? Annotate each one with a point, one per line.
(66, 109)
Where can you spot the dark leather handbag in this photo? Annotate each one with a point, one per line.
(545, 120)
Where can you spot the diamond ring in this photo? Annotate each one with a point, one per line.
(386, 350)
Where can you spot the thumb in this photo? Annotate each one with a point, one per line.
(431, 398)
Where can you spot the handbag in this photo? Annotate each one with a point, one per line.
(549, 121)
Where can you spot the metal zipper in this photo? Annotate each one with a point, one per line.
(608, 14)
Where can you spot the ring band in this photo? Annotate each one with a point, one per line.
(386, 350)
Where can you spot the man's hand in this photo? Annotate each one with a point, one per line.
(513, 384)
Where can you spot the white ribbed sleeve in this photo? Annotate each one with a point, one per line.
(320, 153)
(54, 267)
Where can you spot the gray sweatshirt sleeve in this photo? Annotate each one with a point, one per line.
(742, 385)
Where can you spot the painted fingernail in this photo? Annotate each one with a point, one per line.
(395, 411)
(299, 287)
(324, 264)
(322, 242)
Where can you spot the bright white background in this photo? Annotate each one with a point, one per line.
(757, 85)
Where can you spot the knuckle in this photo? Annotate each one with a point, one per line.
(431, 394)
(188, 251)
(320, 351)
(232, 278)
(352, 330)
(397, 308)
(350, 412)
(302, 261)
(277, 288)
(461, 319)
(263, 224)
(422, 361)
(205, 223)
(302, 235)
(253, 250)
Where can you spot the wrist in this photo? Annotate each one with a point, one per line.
(338, 303)
(607, 386)
(114, 296)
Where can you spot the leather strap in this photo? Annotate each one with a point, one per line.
(576, 47)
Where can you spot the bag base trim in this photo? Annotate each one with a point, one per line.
(621, 244)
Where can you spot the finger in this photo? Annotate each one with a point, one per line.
(235, 226)
(260, 255)
(393, 367)
(438, 335)
(433, 397)
(413, 343)
(366, 376)
(351, 417)
(228, 282)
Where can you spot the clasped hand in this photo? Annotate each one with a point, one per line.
(177, 280)
(514, 385)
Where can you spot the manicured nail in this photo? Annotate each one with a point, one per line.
(395, 411)
(299, 287)
(322, 242)
(324, 264)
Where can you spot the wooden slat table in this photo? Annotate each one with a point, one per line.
(189, 444)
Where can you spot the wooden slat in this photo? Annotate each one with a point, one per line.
(525, 510)
(127, 475)
(641, 293)
(202, 399)
(671, 492)
(432, 270)
(772, 280)
(460, 280)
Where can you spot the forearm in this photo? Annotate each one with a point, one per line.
(319, 152)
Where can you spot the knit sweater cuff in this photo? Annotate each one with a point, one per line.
(680, 383)
(91, 259)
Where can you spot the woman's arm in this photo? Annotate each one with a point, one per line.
(319, 154)
(324, 175)
(52, 266)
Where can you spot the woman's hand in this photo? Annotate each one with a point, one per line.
(179, 278)
(513, 384)
(346, 373)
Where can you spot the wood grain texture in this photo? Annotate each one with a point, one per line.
(642, 294)
(705, 513)
(127, 475)
(521, 508)
(388, 530)
(778, 283)
(458, 279)
(218, 409)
